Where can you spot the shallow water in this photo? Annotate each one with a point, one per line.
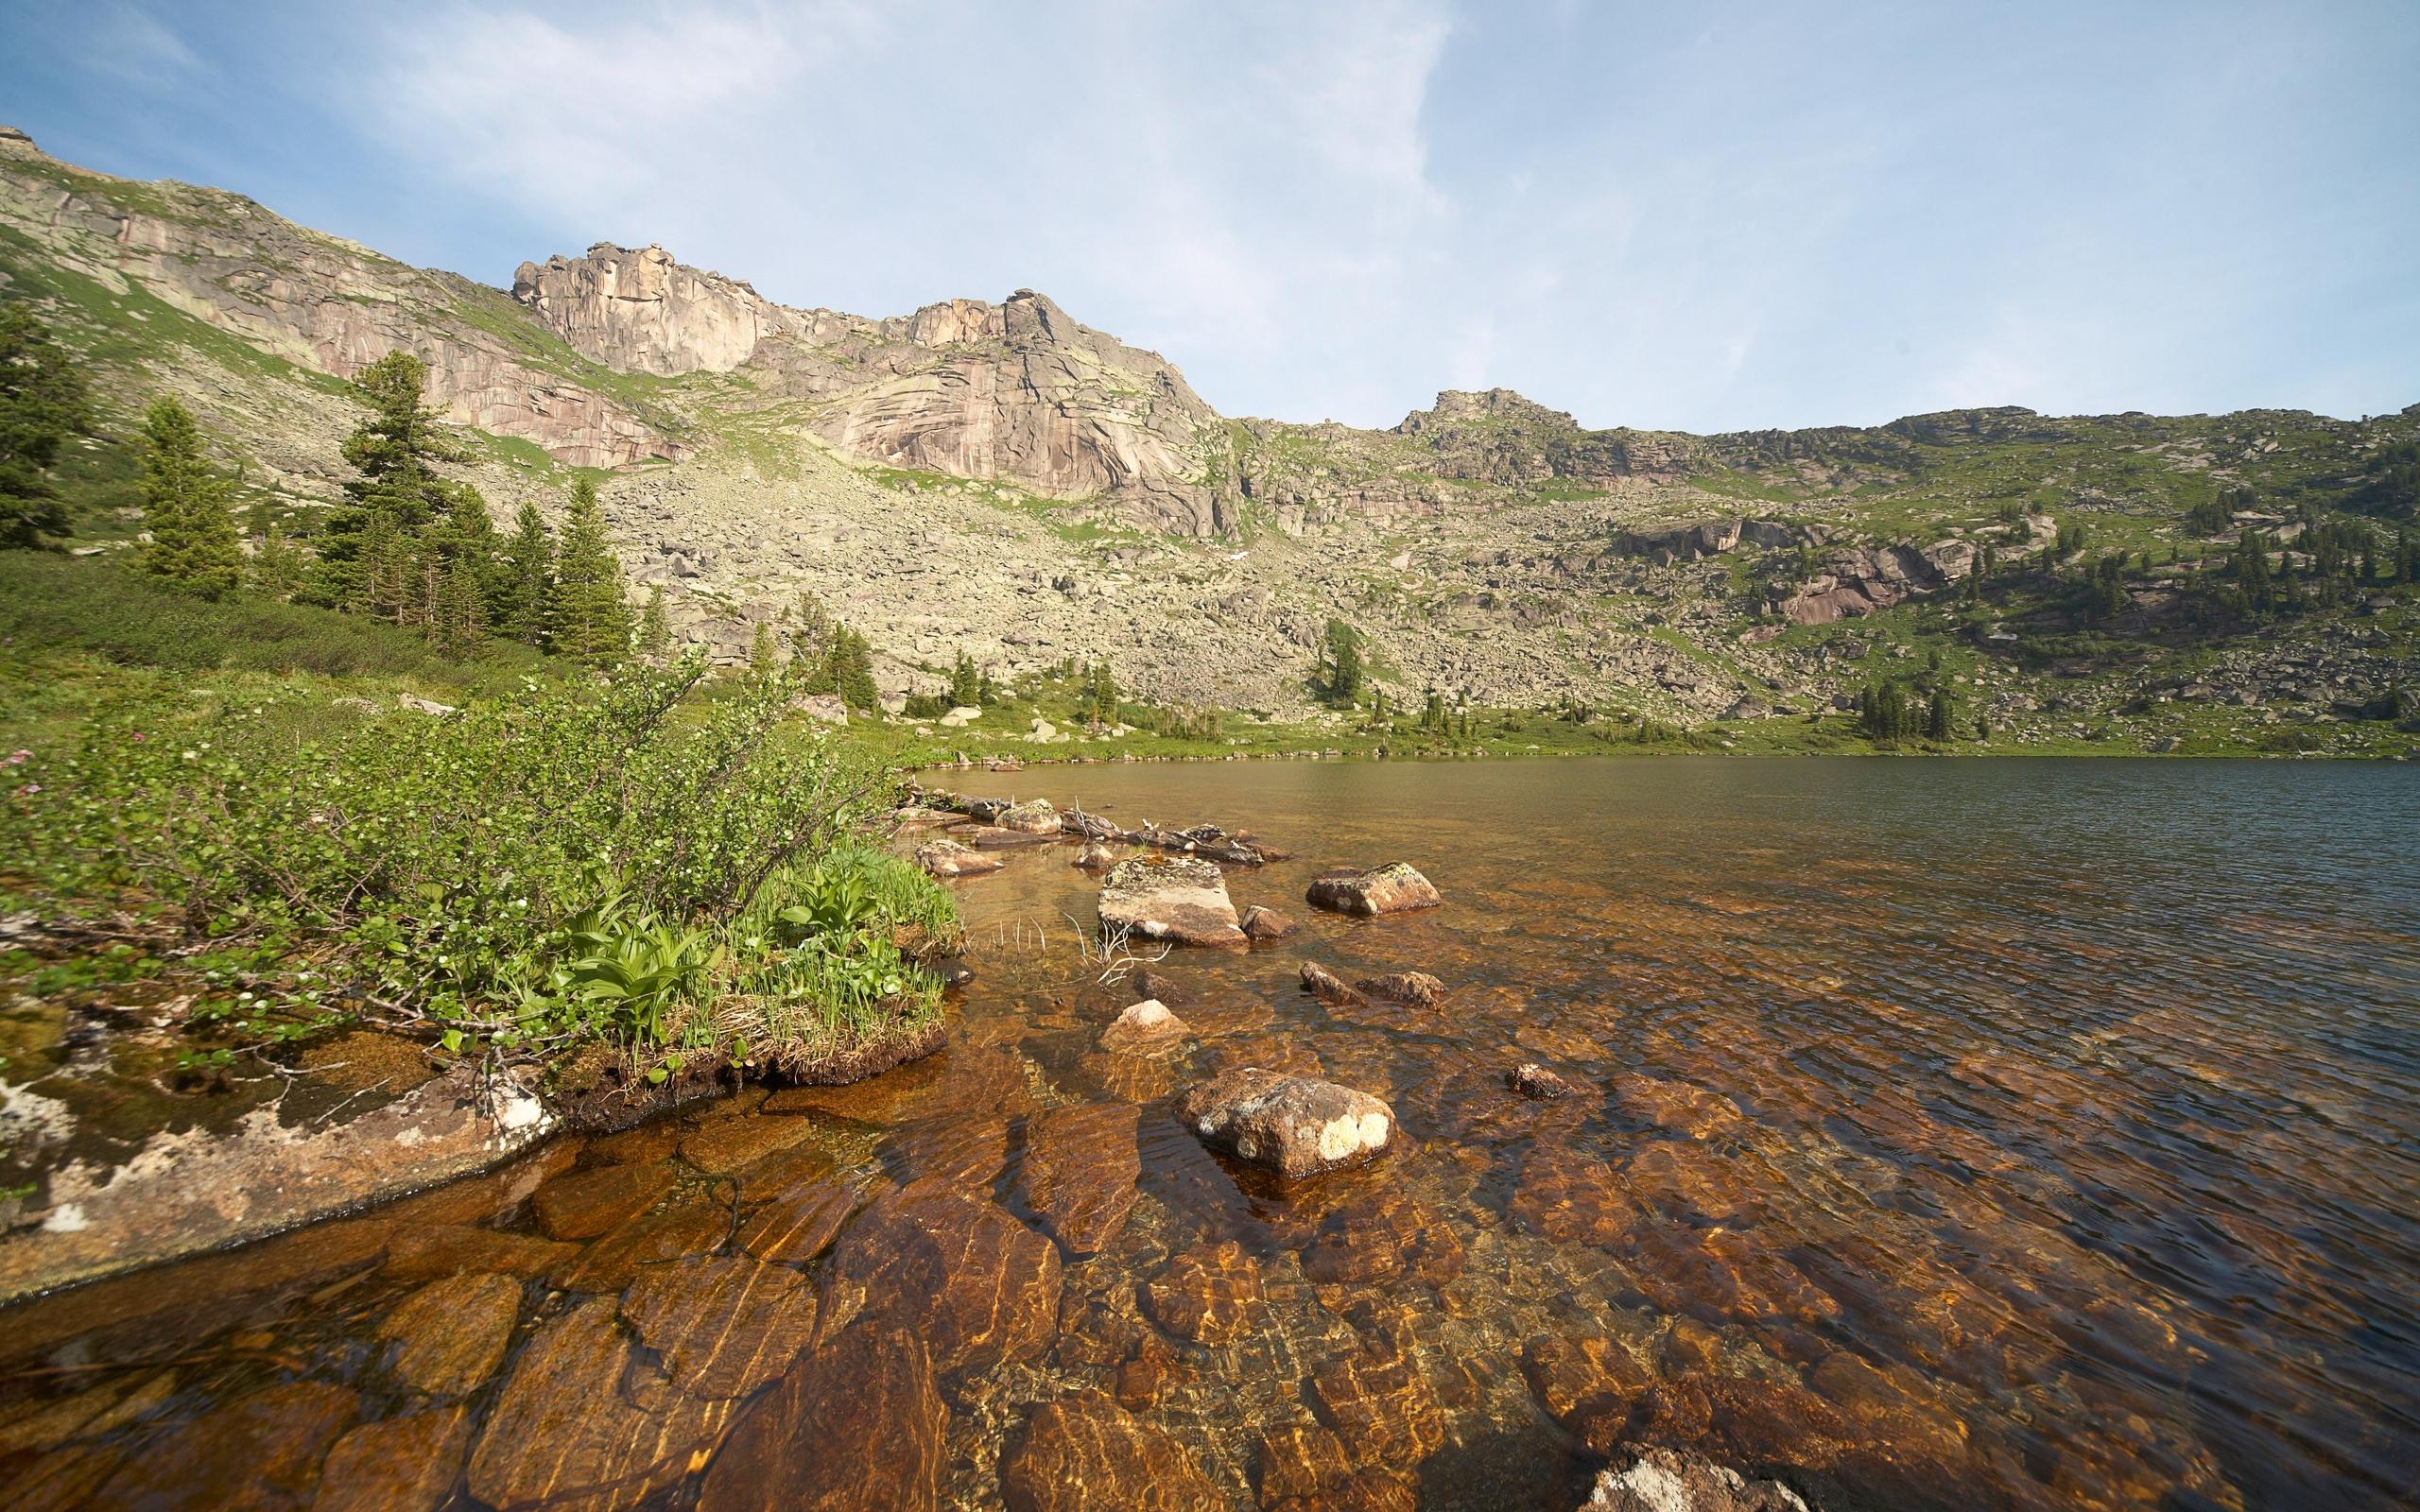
(1976, 1133)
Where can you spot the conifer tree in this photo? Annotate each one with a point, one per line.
(1937, 717)
(42, 402)
(370, 549)
(763, 654)
(194, 542)
(591, 617)
(526, 579)
(966, 683)
(655, 629)
(277, 568)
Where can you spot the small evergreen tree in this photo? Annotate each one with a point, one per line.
(42, 402)
(591, 618)
(194, 542)
(966, 683)
(277, 567)
(655, 629)
(763, 654)
(1344, 674)
(1102, 695)
(526, 579)
(1937, 717)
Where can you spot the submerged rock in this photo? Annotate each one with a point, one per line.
(406, 1463)
(1210, 1294)
(724, 1325)
(1674, 1480)
(979, 1286)
(1292, 1125)
(450, 1335)
(572, 1429)
(1080, 1169)
(1096, 857)
(1178, 900)
(1531, 1080)
(1418, 988)
(1393, 888)
(1086, 1454)
(857, 1424)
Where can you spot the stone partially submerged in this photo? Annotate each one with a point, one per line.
(1393, 888)
(1034, 816)
(1178, 900)
(1293, 1126)
(1673, 1480)
(947, 858)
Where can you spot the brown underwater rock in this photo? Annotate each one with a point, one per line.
(857, 1426)
(1210, 1294)
(979, 1286)
(1080, 1169)
(724, 1325)
(450, 1335)
(1086, 1454)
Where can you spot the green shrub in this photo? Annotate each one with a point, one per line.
(561, 863)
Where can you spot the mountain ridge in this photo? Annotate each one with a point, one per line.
(998, 478)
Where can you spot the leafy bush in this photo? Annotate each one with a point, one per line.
(568, 861)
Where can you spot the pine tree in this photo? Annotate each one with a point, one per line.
(966, 683)
(591, 618)
(42, 402)
(1343, 663)
(194, 542)
(762, 652)
(655, 629)
(370, 550)
(526, 579)
(852, 670)
(1937, 717)
(457, 616)
(1102, 698)
(277, 568)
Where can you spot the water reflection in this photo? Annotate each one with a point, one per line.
(1949, 1134)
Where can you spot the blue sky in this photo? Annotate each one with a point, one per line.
(1708, 217)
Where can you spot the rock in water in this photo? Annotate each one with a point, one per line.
(1393, 888)
(810, 1443)
(1037, 816)
(1096, 856)
(1673, 1480)
(1086, 1454)
(1170, 898)
(1080, 1172)
(947, 858)
(1533, 1080)
(1292, 1125)
(1264, 924)
(1146, 1025)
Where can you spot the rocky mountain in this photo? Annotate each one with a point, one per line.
(1000, 478)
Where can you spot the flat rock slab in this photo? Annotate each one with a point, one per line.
(406, 1463)
(724, 1325)
(1393, 888)
(1034, 816)
(570, 1431)
(583, 1203)
(1174, 899)
(855, 1426)
(1086, 1454)
(1082, 1166)
(189, 1190)
(450, 1335)
(1293, 1126)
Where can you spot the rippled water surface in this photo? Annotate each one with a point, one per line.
(1976, 1133)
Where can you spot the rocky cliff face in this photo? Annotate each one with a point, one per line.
(1501, 437)
(642, 312)
(324, 304)
(1016, 391)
